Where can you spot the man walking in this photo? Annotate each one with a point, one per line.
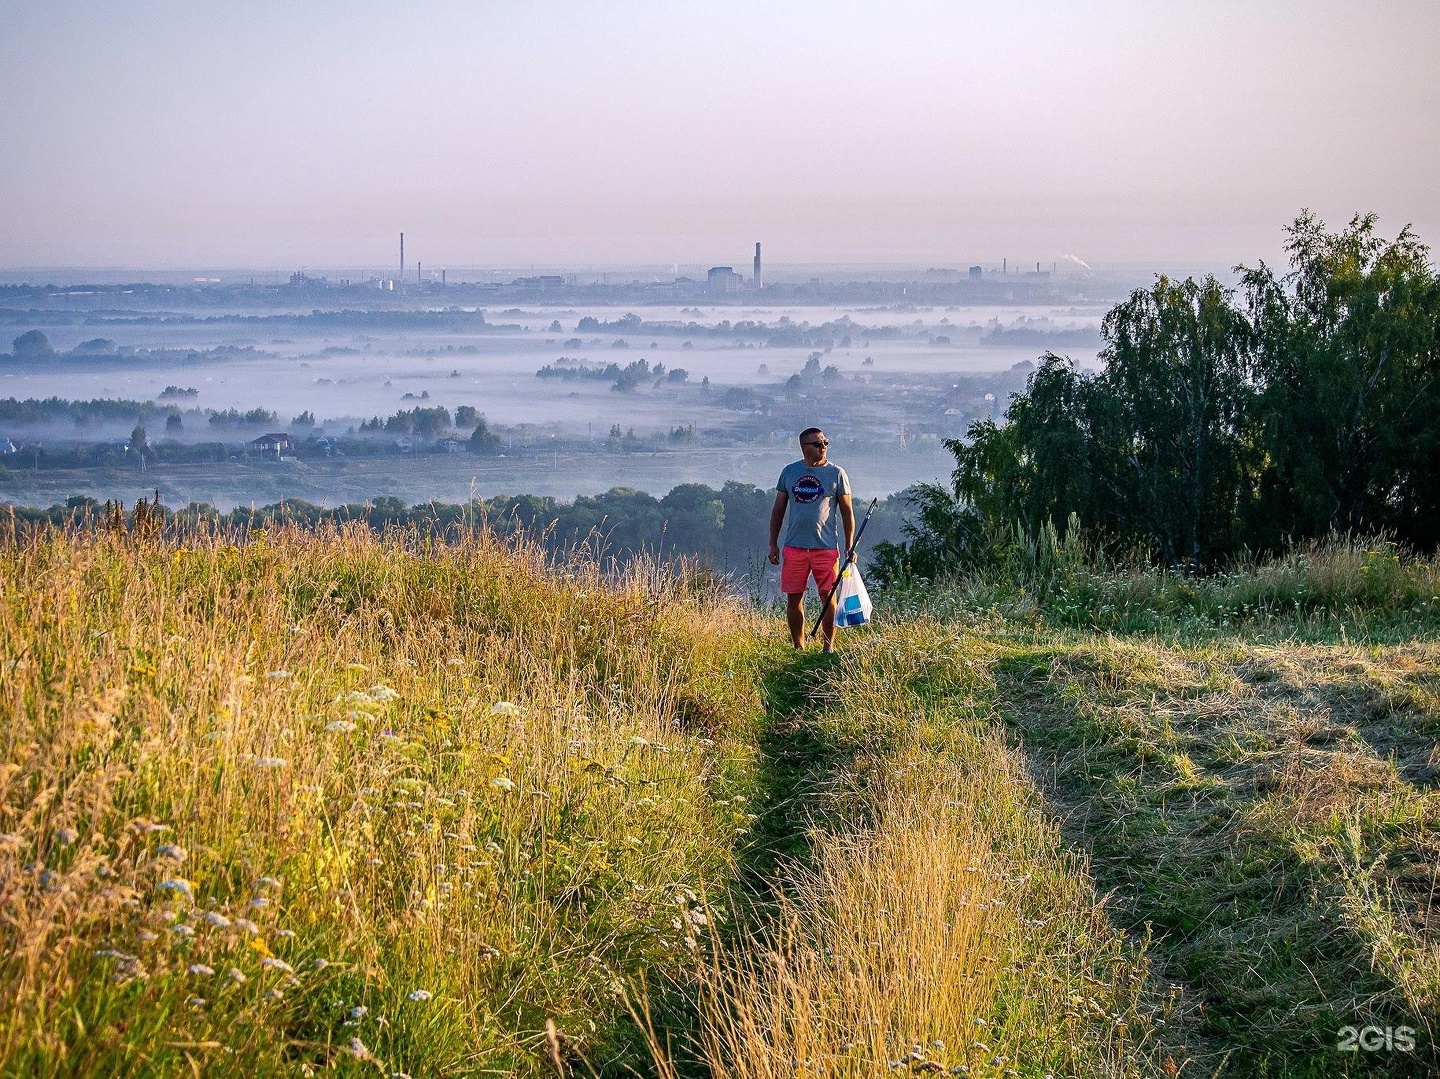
(810, 492)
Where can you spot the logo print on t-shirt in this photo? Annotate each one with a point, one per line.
(807, 489)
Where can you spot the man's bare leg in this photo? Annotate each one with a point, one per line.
(827, 625)
(795, 618)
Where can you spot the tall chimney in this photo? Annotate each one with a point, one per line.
(402, 256)
(759, 281)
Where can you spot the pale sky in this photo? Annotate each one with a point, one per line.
(155, 134)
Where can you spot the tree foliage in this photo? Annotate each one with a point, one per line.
(1221, 420)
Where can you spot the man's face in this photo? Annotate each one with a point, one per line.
(813, 447)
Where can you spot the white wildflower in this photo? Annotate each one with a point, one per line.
(259, 902)
(358, 1050)
(247, 925)
(172, 851)
(196, 1002)
(285, 933)
(505, 708)
(147, 937)
(236, 976)
(176, 886)
(274, 994)
(503, 783)
(215, 918)
(321, 964)
(271, 963)
(420, 994)
(183, 931)
(269, 882)
(340, 726)
(358, 1012)
(201, 968)
(66, 836)
(383, 693)
(278, 675)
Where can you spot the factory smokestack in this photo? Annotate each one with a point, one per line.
(759, 281)
(402, 257)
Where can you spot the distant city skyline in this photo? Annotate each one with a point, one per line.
(151, 134)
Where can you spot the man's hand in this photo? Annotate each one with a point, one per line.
(777, 515)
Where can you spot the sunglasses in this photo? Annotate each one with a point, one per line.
(821, 442)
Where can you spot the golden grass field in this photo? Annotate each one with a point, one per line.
(300, 803)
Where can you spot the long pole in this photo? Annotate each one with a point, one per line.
(849, 558)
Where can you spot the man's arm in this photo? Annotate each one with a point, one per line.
(777, 516)
(847, 518)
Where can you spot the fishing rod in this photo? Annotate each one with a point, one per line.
(849, 558)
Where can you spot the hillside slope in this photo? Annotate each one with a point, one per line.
(337, 802)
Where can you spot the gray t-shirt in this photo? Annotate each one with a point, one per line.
(813, 492)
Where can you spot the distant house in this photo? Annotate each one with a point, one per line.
(271, 443)
(6, 446)
(449, 445)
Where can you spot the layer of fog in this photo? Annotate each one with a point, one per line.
(346, 377)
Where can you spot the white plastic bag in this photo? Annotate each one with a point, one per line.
(852, 601)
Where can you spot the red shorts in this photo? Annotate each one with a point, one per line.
(798, 563)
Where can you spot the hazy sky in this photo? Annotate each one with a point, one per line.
(154, 134)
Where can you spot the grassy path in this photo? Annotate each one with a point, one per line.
(907, 904)
(1268, 815)
(1245, 833)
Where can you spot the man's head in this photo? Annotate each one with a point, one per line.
(812, 444)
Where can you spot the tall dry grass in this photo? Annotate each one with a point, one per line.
(312, 801)
(939, 924)
(892, 940)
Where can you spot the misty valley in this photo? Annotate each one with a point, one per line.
(238, 397)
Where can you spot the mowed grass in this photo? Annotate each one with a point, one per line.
(1250, 759)
(339, 801)
(1271, 815)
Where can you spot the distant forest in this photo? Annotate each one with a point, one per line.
(724, 529)
(1223, 420)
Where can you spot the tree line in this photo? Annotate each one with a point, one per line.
(723, 529)
(1222, 420)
